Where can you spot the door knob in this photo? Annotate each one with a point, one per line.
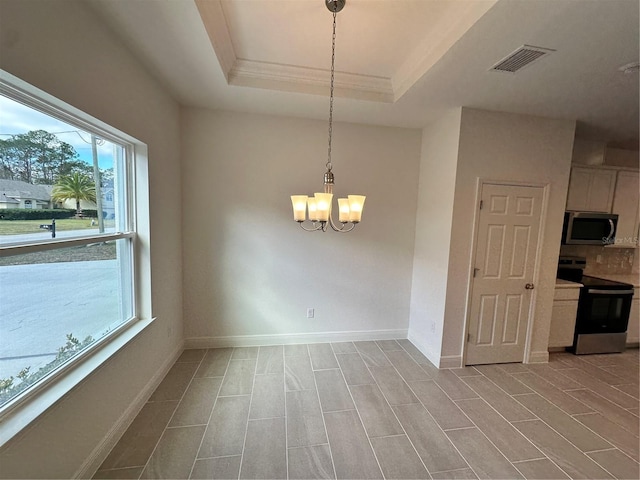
(529, 286)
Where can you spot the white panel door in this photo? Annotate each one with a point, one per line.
(505, 260)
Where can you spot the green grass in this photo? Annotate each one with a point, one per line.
(16, 227)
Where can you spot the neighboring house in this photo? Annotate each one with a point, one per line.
(19, 194)
(108, 206)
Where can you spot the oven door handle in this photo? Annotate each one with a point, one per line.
(610, 292)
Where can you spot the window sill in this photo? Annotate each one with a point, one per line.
(16, 419)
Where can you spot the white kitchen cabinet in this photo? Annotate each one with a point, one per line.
(626, 204)
(633, 330)
(591, 189)
(563, 316)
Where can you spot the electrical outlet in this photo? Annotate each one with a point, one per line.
(433, 327)
(310, 312)
(599, 259)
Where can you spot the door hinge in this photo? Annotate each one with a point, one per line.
(481, 204)
(468, 338)
(475, 272)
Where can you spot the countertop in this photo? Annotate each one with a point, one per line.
(567, 284)
(632, 278)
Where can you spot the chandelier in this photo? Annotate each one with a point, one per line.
(319, 206)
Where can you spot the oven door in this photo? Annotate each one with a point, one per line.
(603, 311)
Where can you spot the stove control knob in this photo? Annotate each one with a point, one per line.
(529, 286)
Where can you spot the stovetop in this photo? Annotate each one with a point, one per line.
(589, 281)
(571, 268)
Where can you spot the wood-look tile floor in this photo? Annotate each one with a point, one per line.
(381, 410)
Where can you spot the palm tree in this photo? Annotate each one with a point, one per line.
(75, 186)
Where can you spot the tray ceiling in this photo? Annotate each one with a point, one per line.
(381, 50)
(398, 62)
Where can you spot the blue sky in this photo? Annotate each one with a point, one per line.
(17, 118)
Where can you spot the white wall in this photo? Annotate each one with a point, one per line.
(249, 268)
(63, 49)
(507, 147)
(438, 165)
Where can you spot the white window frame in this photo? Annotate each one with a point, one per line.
(34, 401)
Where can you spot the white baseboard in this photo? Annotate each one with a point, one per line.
(451, 361)
(288, 339)
(100, 453)
(539, 357)
(433, 357)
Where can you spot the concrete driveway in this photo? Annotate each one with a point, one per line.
(41, 303)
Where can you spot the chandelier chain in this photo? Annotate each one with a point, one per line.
(329, 165)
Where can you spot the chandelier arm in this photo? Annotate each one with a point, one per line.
(314, 227)
(342, 229)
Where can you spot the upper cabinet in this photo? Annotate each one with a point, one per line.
(626, 204)
(591, 189)
(608, 190)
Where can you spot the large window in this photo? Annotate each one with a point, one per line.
(68, 283)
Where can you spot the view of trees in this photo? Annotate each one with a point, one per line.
(76, 186)
(38, 157)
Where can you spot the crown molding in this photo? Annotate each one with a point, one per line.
(294, 78)
(216, 26)
(248, 73)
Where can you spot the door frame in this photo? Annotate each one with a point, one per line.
(480, 182)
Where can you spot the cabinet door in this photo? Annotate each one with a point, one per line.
(563, 323)
(601, 191)
(591, 189)
(578, 195)
(626, 203)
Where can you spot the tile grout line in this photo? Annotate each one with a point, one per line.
(358, 412)
(246, 428)
(530, 460)
(164, 430)
(324, 423)
(537, 418)
(580, 423)
(391, 408)
(605, 384)
(476, 426)
(429, 413)
(226, 368)
(479, 429)
(575, 417)
(286, 417)
(602, 450)
(552, 385)
(454, 470)
(566, 413)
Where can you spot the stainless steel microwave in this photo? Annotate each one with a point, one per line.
(589, 228)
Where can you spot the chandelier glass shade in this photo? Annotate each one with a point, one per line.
(319, 206)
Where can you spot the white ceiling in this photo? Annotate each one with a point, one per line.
(398, 62)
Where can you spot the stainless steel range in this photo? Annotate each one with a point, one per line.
(603, 309)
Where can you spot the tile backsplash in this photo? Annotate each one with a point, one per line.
(605, 260)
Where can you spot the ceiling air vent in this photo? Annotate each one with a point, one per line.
(523, 56)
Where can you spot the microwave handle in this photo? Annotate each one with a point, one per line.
(612, 231)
